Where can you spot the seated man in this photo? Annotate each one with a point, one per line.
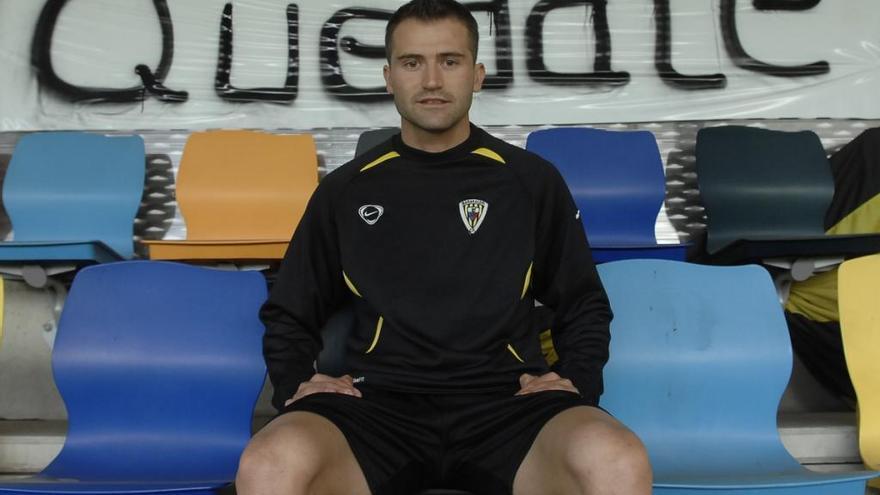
(441, 239)
(811, 309)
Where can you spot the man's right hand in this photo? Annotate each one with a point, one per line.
(324, 383)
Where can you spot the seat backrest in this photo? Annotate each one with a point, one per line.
(615, 177)
(245, 185)
(858, 286)
(75, 186)
(160, 365)
(372, 138)
(700, 357)
(760, 183)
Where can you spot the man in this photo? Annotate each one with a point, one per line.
(441, 239)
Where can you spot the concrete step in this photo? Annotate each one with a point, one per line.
(29, 446)
(821, 438)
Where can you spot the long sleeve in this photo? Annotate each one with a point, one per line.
(309, 287)
(566, 280)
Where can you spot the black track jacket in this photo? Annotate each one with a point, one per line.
(442, 256)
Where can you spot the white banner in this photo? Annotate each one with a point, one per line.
(187, 64)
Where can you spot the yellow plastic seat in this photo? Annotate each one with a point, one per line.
(242, 194)
(859, 305)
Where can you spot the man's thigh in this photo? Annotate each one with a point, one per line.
(385, 433)
(307, 445)
(491, 437)
(577, 447)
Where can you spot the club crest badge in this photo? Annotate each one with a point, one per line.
(473, 212)
(370, 213)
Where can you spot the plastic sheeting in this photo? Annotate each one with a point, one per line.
(171, 64)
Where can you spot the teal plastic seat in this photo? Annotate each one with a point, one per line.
(700, 357)
(159, 365)
(616, 179)
(73, 197)
(766, 193)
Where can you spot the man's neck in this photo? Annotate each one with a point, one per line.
(434, 142)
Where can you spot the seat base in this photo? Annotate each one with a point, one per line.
(753, 250)
(69, 251)
(43, 485)
(847, 488)
(604, 254)
(256, 250)
(781, 481)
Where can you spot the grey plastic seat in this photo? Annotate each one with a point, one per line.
(372, 138)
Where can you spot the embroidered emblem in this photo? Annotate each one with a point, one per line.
(370, 213)
(473, 212)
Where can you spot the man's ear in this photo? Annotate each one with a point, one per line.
(386, 73)
(479, 77)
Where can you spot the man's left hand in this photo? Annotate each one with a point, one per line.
(530, 384)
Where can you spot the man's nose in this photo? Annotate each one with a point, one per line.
(433, 77)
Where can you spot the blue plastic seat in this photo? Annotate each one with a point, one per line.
(73, 197)
(160, 365)
(700, 357)
(617, 181)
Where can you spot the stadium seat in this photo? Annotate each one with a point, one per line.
(375, 137)
(812, 305)
(766, 193)
(859, 303)
(159, 365)
(241, 194)
(617, 181)
(700, 357)
(72, 198)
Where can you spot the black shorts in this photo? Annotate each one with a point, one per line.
(405, 442)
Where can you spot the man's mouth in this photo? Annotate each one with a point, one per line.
(432, 101)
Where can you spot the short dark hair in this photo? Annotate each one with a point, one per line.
(432, 10)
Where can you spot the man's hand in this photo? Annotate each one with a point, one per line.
(323, 383)
(529, 384)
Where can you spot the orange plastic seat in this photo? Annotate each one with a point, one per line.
(242, 194)
(859, 305)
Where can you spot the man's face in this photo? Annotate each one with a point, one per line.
(432, 74)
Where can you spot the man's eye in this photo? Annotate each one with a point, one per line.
(410, 64)
(451, 61)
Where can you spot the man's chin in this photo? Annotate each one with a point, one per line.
(433, 126)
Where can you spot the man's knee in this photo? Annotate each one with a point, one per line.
(607, 451)
(291, 450)
(256, 463)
